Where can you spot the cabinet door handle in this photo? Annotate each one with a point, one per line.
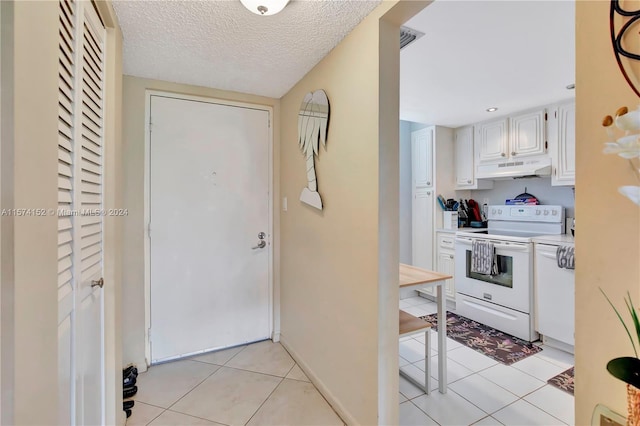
(503, 154)
(513, 154)
(468, 181)
(428, 183)
(450, 256)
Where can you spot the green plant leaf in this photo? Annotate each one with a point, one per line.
(634, 315)
(622, 321)
(626, 369)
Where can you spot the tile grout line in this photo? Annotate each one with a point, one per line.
(161, 413)
(193, 388)
(425, 413)
(265, 401)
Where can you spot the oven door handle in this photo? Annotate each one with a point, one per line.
(512, 246)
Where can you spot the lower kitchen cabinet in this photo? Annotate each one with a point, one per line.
(446, 260)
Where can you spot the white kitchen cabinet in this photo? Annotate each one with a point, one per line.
(562, 134)
(429, 146)
(422, 157)
(423, 208)
(493, 140)
(513, 137)
(527, 134)
(555, 297)
(465, 161)
(445, 262)
(446, 265)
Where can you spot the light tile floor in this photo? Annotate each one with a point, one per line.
(258, 384)
(481, 391)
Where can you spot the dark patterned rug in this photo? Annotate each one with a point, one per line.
(563, 381)
(495, 344)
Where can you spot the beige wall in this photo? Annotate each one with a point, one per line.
(133, 314)
(608, 225)
(35, 186)
(339, 267)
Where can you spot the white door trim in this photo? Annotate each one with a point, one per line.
(147, 210)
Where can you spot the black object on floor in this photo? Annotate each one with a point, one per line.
(129, 392)
(128, 413)
(127, 405)
(132, 369)
(129, 381)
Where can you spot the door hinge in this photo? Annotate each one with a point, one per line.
(150, 126)
(149, 230)
(546, 145)
(545, 116)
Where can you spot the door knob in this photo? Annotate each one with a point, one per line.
(261, 235)
(97, 283)
(261, 244)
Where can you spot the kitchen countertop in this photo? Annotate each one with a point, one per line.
(555, 239)
(454, 230)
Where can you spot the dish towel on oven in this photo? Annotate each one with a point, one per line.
(565, 257)
(483, 258)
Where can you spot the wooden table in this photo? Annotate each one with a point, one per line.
(412, 276)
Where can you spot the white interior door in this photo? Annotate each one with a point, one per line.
(80, 220)
(209, 201)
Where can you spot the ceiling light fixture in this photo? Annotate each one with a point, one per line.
(492, 109)
(264, 7)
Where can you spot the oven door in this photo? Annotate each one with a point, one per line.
(511, 287)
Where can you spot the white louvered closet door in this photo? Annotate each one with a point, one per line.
(80, 219)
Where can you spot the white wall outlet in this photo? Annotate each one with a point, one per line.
(284, 204)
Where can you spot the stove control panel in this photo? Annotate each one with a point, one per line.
(534, 213)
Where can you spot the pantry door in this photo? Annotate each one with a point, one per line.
(209, 226)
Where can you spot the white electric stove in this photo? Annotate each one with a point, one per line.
(505, 301)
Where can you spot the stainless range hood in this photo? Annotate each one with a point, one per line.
(515, 169)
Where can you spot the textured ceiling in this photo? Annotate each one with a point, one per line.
(221, 44)
(512, 55)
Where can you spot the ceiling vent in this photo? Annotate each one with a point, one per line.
(408, 36)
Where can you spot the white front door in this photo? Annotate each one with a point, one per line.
(80, 215)
(209, 206)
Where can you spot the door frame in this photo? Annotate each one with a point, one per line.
(147, 202)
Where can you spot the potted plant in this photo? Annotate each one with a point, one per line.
(627, 368)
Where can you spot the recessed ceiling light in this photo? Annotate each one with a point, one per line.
(571, 86)
(492, 109)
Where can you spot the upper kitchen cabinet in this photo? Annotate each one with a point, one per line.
(493, 140)
(521, 135)
(464, 151)
(562, 135)
(527, 136)
(422, 157)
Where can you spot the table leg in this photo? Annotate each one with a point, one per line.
(442, 339)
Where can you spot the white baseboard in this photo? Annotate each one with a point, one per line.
(322, 388)
(275, 336)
